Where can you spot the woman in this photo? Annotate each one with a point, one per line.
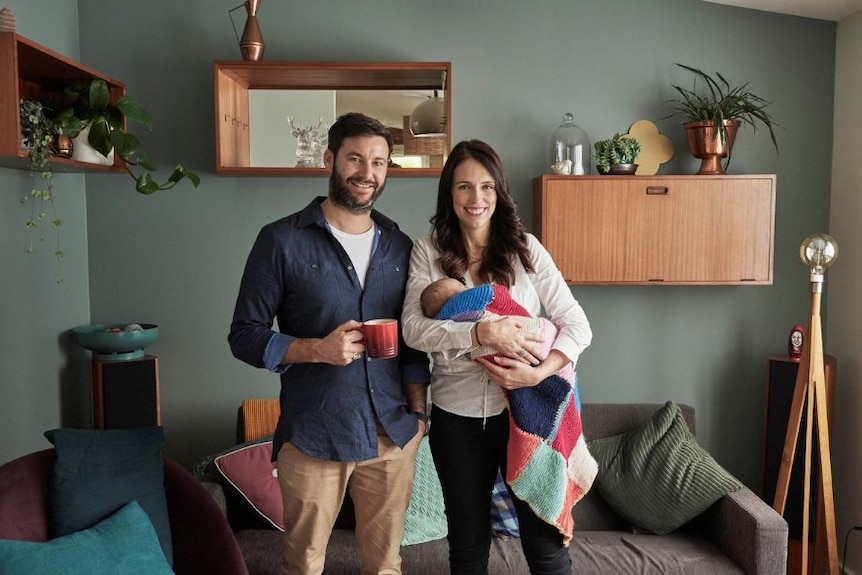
(477, 237)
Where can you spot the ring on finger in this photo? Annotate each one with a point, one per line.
(356, 356)
(522, 352)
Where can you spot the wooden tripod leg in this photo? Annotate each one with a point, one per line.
(806, 490)
(823, 448)
(793, 424)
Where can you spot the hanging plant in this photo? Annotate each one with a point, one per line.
(37, 136)
(91, 107)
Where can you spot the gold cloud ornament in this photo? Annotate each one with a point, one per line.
(657, 148)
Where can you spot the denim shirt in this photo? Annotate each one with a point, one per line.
(299, 274)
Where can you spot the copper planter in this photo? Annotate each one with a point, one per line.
(706, 144)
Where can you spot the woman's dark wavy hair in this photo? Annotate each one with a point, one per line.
(508, 237)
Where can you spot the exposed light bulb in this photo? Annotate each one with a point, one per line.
(818, 252)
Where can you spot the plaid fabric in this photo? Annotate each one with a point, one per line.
(504, 520)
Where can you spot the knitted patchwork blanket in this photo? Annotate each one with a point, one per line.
(549, 465)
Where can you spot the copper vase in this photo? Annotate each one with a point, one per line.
(251, 43)
(706, 144)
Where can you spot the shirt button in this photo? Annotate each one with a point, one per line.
(314, 266)
(350, 267)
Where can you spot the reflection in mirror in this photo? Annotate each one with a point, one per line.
(264, 110)
(274, 142)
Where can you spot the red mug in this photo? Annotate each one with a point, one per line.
(381, 338)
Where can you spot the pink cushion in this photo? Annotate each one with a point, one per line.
(24, 496)
(249, 472)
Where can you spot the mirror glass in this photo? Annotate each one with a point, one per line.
(279, 120)
(272, 117)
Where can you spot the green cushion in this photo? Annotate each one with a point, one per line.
(99, 471)
(657, 477)
(123, 544)
(426, 517)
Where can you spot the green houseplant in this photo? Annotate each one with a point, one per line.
(713, 115)
(91, 108)
(620, 150)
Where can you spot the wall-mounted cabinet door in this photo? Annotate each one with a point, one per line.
(669, 230)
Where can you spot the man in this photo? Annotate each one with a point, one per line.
(347, 420)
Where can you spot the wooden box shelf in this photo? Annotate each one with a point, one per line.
(30, 71)
(658, 230)
(233, 80)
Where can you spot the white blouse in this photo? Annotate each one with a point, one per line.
(458, 385)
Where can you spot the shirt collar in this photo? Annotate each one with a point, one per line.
(313, 215)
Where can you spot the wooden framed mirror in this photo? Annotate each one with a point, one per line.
(262, 110)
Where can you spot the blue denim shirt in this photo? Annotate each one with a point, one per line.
(298, 273)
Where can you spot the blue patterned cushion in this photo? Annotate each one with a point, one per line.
(504, 519)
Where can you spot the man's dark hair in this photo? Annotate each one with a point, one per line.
(356, 124)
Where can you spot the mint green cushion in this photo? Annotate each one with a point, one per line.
(657, 477)
(425, 519)
(99, 471)
(123, 544)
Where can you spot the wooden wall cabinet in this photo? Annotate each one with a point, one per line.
(30, 71)
(658, 230)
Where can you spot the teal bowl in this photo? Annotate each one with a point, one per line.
(108, 344)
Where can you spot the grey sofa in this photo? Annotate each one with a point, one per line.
(738, 534)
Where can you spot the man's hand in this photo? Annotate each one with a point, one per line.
(342, 346)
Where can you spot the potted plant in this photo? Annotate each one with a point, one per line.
(92, 109)
(713, 118)
(617, 155)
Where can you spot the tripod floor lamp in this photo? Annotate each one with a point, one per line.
(818, 252)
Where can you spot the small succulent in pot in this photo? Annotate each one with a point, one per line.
(620, 149)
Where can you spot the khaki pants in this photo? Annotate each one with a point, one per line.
(313, 490)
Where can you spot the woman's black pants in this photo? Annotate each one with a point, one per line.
(468, 453)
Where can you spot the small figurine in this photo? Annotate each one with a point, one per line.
(795, 342)
(563, 167)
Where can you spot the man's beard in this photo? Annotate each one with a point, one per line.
(340, 195)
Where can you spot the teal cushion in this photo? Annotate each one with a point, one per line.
(99, 471)
(425, 519)
(657, 477)
(123, 544)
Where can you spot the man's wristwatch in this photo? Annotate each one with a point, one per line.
(423, 417)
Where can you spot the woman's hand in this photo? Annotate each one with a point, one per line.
(508, 337)
(511, 373)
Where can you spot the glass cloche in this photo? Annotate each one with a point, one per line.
(569, 149)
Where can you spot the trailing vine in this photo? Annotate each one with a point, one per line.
(37, 132)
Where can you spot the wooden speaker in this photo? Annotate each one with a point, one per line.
(126, 393)
(779, 399)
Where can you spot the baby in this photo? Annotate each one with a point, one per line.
(448, 298)
(546, 448)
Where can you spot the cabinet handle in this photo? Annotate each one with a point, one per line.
(656, 190)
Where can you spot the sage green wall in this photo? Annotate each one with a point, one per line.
(175, 258)
(39, 371)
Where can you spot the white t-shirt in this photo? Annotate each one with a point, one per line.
(358, 248)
